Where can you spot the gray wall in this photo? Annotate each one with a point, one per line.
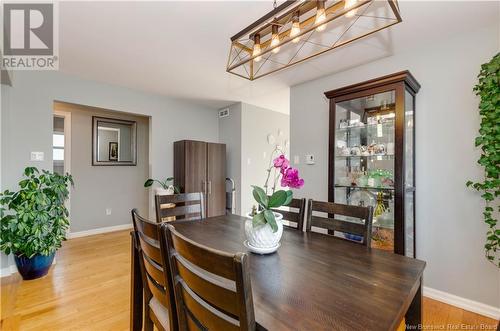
(257, 123)
(450, 231)
(245, 133)
(97, 188)
(27, 122)
(230, 134)
(5, 103)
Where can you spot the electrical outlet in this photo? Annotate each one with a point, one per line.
(108, 211)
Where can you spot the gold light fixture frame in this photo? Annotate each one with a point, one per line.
(241, 52)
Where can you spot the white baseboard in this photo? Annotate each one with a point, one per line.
(466, 304)
(7, 271)
(92, 232)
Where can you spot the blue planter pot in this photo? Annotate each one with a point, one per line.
(34, 267)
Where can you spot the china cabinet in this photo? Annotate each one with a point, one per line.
(372, 155)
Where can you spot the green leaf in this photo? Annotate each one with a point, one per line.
(278, 199)
(34, 219)
(289, 197)
(258, 219)
(269, 216)
(149, 182)
(260, 196)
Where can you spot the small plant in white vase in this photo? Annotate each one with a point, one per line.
(264, 227)
(166, 186)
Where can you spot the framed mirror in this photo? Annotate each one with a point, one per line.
(114, 142)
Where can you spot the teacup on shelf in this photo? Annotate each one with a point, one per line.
(356, 150)
(380, 149)
(344, 151)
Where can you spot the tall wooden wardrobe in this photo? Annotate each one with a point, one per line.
(201, 167)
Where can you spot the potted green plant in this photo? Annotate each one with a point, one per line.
(34, 220)
(166, 186)
(264, 227)
(488, 140)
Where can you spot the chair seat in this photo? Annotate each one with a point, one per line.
(160, 312)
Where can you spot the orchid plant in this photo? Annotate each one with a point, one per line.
(268, 197)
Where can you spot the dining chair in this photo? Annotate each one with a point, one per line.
(185, 206)
(294, 216)
(332, 222)
(212, 288)
(159, 298)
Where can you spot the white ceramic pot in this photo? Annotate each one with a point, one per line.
(162, 191)
(263, 236)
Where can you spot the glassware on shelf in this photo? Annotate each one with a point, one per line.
(362, 198)
(379, 207)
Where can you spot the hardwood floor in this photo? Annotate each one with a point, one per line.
(89, 288)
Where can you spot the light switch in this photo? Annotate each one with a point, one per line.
(296, 159)
(37, 156)
(108, 211)
(310, 159)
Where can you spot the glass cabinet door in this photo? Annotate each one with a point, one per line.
(365, 160)
(409, 187)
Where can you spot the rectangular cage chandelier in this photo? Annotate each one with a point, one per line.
(296, 31)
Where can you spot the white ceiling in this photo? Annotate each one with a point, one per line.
(180, 48)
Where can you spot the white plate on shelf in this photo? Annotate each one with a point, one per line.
(257, 250)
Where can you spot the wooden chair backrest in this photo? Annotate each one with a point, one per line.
(334, 224)
(295, 217)
(185, 206)
(212, 288)
(155, 269)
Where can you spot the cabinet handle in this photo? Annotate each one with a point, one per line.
(209, 187)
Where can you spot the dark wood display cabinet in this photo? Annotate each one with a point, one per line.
(372, 155)
(201, 167)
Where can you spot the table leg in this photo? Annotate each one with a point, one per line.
(414, 314)
(136, 289)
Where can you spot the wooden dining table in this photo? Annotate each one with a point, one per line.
(314, 281)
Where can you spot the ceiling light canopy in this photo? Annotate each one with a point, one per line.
(296, 31)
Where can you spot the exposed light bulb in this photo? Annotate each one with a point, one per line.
(275, 39)
(349, 4)
(320, 15)
(256, 48)
(295, 30)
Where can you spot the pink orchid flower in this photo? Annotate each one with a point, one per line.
(281, 162)
(291, 179)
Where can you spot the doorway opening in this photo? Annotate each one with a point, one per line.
(61, 142)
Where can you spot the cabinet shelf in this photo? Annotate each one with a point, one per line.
(370, 157)
(382, 226)
(387, 125)
(381, 188)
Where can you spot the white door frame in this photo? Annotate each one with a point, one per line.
(67, 153)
